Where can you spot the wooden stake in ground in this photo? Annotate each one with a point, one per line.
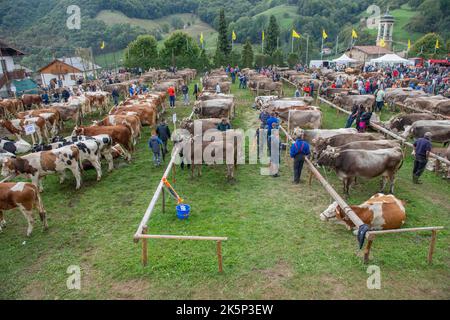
(144, 248)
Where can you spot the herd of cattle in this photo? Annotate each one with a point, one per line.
(111, 137)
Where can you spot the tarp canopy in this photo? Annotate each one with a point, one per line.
(391, 58)
(26, 86)
(344, 59)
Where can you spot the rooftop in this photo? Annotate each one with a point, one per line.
(8, 50)
(372, 49)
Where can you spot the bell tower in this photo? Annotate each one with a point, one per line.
(386, 30)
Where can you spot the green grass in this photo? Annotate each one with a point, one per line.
(285, 15)
(277, 249)
(111, 59)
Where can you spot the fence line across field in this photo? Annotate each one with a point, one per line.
(141, 232)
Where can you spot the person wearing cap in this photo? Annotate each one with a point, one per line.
(299, 150)
(422, 149)
(224, 125)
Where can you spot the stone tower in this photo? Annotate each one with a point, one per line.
(386, 29)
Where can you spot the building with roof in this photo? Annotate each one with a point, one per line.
(67, 71)
(386, 30)
(8, 70)
(366, 53)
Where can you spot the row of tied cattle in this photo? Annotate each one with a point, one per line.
(201, 138)
(109, 138)
(295, 112)
(161, 80)
(47, 121)
(262, 84)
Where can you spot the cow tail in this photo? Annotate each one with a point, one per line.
(38, 203)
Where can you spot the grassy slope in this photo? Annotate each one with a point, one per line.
(277, 247)
(279, 12)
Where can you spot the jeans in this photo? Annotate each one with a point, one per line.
(379, 105)
(116, 100)
(164, 149)
(172, 101)
(350, 120)
(186, 99)
(299, 160)
(419, 165)
(157, 158)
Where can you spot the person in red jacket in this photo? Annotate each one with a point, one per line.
(171, 92)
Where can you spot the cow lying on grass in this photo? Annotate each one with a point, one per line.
(25, 197)
(380, 212)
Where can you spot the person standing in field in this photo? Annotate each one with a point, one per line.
(163, 133)
(299, 150)
(218, 88)
(185, 91)
(422, 149)
(379, 99)
(275, 147)
(155, 144)
(196, 91)
(171, 92)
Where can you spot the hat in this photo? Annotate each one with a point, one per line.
(427, 135)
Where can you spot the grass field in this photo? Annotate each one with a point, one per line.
(285, 15)
(277, 249)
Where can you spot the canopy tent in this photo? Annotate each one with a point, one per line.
(344, 59)
(391, 58)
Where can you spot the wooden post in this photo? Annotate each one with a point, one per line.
(432, 245)
(144, 248)
(163, 200)
(219, 254)
(367, 250)
(310, 177)
(437, 166)
(174, 179)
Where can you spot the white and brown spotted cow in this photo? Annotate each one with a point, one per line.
(37, 165)
(24, 196)
(380, 212)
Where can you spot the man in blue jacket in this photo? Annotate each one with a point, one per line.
(299, 150)
(155, 144)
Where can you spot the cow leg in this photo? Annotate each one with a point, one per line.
(28, 214)
(109, 158)
(46, 133)
(383, 184)
(199, 170)
(2, 221)
(192, 170)
(392, 182)
(76, 173)
(42, 213)
(98, 168)
(62, 176)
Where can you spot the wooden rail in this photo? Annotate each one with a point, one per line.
(403, 106)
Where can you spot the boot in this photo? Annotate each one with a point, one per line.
(416, 180)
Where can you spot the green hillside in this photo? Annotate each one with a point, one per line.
(285, 15)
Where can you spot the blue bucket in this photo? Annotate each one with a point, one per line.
(183, 211)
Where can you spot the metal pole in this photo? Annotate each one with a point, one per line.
(337, 44)
(307, 49)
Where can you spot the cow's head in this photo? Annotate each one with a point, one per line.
(330, 212)
(327, 157)
(8, 167)
(77, 131)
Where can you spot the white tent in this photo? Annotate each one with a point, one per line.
(391, 58)
(344, 59)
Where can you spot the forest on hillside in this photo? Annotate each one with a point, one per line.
(39, 27)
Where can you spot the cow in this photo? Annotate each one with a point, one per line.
(440, 130)
(352, 163)
(380, 212)
(217, 108)
(131, 121)
(17, 127)
(51, 115)
(311, 119)
(262, 101)
(148, 114)
(367, 145)
(195, 152)
(341, 139)
(348, 101)
(89, 151)
(29, 100)
(68, 112)
(119, 134)
(313, 135)
(37, 165)
(24, 196)
(399, 122)
(203, 124)
(14, 147)
(5, 154)
(10, 107)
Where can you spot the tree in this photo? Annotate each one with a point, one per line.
(180, 49)
(272, 34)
(247, 54)
(223, 42)
(278, 58)
(142, 52)
(425, 46)
(292, 60)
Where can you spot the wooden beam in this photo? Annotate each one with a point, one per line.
(174, 237)
(418, 229)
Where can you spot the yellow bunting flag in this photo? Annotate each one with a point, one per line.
(102, 45)
(354, 34)
(409, 44)
(295, 34)
(201, 38)
(324, 34)
(382, 43)
(263, 35)
(437, 44)
(234, 37)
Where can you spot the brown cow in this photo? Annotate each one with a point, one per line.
(380, 212)
(130, 121)
(31, 99)
(25, 197)
(119, 134)
(364, 163)
(17, 127)
(51, 115)
(146, 113)
(341, 139)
